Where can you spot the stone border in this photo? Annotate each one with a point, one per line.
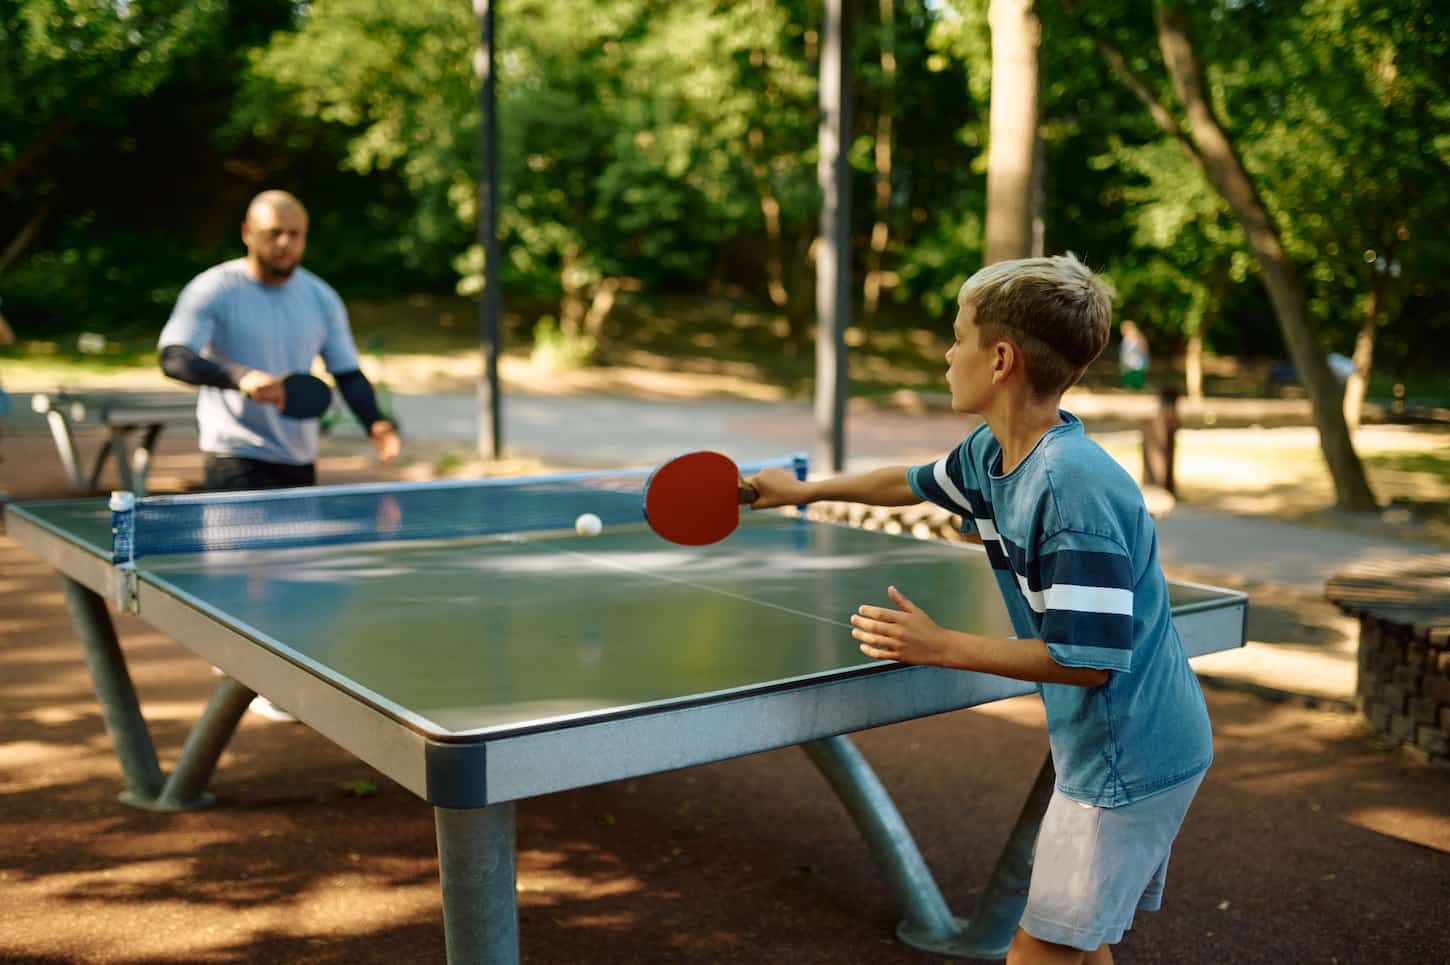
(1403, 687)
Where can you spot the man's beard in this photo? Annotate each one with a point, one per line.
(276, 272)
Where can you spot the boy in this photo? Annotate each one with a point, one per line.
(1076, 558)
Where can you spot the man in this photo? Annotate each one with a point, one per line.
(242, 326)
(237, 331)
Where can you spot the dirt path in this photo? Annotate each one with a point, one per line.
(1307, 844)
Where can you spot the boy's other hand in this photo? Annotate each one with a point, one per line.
(777, 487)
(907, 634)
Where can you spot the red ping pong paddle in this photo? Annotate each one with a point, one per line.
(695, 499)
(305, 396)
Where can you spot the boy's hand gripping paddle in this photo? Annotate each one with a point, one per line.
(695, 499)
(304, 396)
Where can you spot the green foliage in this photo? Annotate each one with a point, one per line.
(105, 111)
(383, 90)
(1356, 156)
(940, 261)
(65, 58)
(555, 349)
(131, 281)
(673, 144)
(1336, 108)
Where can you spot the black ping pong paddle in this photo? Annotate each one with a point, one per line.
(695, 499)
(304, 396)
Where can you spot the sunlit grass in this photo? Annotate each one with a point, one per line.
(437, 337)
(1282, 473)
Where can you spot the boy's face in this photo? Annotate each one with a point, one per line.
(969, 365)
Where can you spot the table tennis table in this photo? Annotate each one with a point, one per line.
(123, 416)
(460, 638)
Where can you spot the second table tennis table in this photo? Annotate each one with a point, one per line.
(461, 641)
(126, 416)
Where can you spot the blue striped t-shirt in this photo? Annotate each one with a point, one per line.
(1075, 554)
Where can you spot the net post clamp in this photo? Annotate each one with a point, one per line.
(127, 599)
(123, 549)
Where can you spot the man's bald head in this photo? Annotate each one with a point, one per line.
(275, 233)
(274, 200)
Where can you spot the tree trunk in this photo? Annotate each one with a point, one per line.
(606, 293)
(1016, 33)
(1286, 291)
(17, 169)
(23, 238)
(571, 301)
(880, 231)
(799, 311)
(769, 205)
(1193, 352)
(770, 212)
(1038, 248)
(1193, 367)
(1358, 381)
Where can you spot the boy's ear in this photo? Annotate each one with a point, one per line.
(1004, 360)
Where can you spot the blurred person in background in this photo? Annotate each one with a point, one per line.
(1132, 356)
(237, 331)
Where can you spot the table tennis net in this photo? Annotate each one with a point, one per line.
(379, 512)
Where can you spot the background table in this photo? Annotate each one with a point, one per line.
(142, 416)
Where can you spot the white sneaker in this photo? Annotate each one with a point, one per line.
(265, 708)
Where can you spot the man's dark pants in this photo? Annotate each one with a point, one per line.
(230, 473)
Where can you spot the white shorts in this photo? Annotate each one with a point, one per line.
(1094, 868)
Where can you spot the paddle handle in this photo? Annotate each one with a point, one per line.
(746, 493)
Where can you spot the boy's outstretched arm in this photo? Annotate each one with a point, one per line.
(886, 486)
(909, 635)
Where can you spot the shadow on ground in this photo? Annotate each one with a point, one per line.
(1309, 842)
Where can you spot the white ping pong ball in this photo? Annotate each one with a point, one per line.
(588, 525)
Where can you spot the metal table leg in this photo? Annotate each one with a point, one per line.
(131, 465)
(927, 917)
(146, 787)
(120, 709)
(65, 444)
(115, 447)
(480, 904)
(140, 460)
(927, 922)
(185, 789)
(990, 929)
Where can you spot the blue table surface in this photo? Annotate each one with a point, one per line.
(479, 634)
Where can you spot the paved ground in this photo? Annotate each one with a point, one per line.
(1309, 842)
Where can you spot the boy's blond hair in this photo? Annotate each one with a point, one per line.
(1054, 309)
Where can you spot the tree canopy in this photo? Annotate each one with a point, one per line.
(669, 146)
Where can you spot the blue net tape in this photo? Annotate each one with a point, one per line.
(374, 512)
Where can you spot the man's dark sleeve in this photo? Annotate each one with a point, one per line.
(357, 391)
(185, 365)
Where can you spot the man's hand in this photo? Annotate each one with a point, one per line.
(385, 439)
(907, 634)
(777, 487)
(263, 387)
